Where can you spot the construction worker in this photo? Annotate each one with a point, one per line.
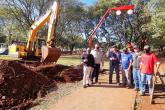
(148, 60)
(114, 57)
(98, 56)
(126, 62)
(88, 61)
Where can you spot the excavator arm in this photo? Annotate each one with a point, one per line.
(49, 52)
(36, 26)
(53, 21)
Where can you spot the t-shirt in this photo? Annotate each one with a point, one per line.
(136, 59)
(147, 63)
(98, 55)
(126, 58)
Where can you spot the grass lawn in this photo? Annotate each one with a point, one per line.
(6, 57)
(69, 60)
(64, 60)
(76, 60)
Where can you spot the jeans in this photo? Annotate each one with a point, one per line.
(96, 72)
(131, 72)
(91, 74)
(144, 79)
(126, 77)
(112, 67)
(136, 78)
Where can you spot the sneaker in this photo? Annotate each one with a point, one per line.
(84, 86)
(128, 87)
(141, 93)
(152, 101)
(135, 89)
(110, 82)
(97, 83)
(92, 82)
(88, 84)
(118, 84)
(123, 85)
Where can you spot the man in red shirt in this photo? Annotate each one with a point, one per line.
(148, 60)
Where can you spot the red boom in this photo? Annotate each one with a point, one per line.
(127, 7)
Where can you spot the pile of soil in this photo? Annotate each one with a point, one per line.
(72, 74)
(19, 85)
(62, 73)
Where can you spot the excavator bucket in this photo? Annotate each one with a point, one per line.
(50, 55)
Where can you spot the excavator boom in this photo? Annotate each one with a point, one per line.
(49, 52)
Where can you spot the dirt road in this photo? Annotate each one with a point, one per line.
(98, 97)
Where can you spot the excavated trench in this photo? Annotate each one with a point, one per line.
(21, 85)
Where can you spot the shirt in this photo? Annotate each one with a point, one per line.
(114, 57)
(126, 58)
(88, 60)
(147, 63)
(97, 54)
(136, 59)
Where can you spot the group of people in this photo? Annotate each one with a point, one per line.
(91, 60)
(137, 67)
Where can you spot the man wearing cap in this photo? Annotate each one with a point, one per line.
(88, 61)
(148, 60)
(126, 61)
(136, 67)
(114, 62)
(98, 57)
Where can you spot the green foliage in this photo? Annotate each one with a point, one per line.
(18, 15)
(157, 25)
(146, 25)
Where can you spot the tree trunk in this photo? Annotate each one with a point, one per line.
(71, 49)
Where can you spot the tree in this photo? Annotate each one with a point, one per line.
(21, 14)
(69, 27)
(124, 28)
(157, 24)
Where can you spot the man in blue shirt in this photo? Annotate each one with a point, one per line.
(126, 62)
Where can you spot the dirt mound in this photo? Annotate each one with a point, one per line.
(72, 74)
(19, 85)
(62, 73)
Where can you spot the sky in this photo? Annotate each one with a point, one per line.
(89, 2)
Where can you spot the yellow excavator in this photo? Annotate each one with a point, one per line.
(48, 53)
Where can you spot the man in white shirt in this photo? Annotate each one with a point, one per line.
(98, 57)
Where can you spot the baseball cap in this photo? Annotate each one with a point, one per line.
(114, 46)
(125, 49)
(135, 47)
(146, 47)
